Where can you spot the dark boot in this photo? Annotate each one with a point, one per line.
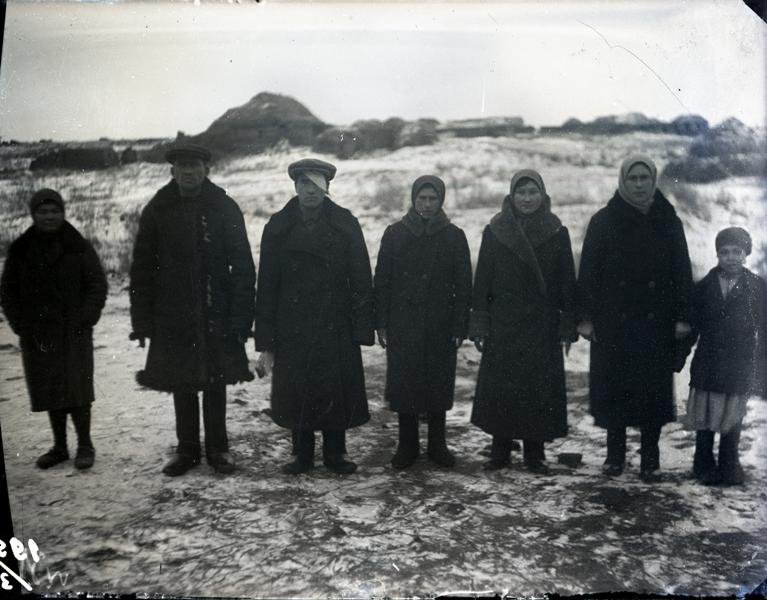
(649, 470)
(333, 448)
(85, 457)
(180, 464)
(59, 452)
(53, 457)
(303, 446)
(703, 462)
(437, 445)
(500, 452)
(616, 451)
(408, 447)
(534, 456)
(81, 417)
(729, 461)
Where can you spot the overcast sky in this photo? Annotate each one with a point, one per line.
(139, 69)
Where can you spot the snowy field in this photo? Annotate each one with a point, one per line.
(124, 527)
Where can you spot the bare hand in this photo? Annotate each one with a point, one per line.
(264, 364)
(479, 343)
(381, 337)
(681, 330)
(457, 341)
(586, 330)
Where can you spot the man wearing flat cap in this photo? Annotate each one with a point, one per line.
(192, 288)
(314, 310)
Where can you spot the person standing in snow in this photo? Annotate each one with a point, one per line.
(422, 293)
(314, 309)
(730, 364)
(636, 283)
(52, 291)
(192, 289)
(523, 309)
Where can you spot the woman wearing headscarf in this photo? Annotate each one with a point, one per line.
(52, 291)
(422, 289)
(523, 308)
(636, 282)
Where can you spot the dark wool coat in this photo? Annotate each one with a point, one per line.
(422, 292)
(52, 291)
(636, 283)
(192, 289)
(731, 356)
(521, 382)
(314, 309)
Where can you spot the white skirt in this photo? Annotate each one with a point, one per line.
(714, 411)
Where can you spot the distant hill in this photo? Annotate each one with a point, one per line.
(690, 125)
(729, 149)
(262, 122)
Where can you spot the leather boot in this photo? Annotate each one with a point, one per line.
(703, 461)
(729, 461)
(408, 447)
(437, 449)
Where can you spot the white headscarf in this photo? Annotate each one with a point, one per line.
(632, 160)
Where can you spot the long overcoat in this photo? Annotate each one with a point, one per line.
(422, 292)
(731, 356)
(314, 308)
(192, 290)
(635, 281)
(521, 383)
(52, 292)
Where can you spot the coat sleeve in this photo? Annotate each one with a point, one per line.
(10, 293)
(568, 298)
(242, 276)
(761, 341)
(462, 286)
(267, 292)
(382, 280)
(361, 285)
(682, 276)
(95, 288)
(479, 324)
(142, 274)
(590, 271)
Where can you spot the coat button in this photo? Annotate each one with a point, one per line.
(425, 276)
(651, 285)
(331, 326)
(622, 283)
(650, 316)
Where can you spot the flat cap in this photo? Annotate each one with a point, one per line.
(187, 150)
(311, 164)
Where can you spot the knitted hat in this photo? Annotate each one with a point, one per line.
(45, 196)
(734, 236)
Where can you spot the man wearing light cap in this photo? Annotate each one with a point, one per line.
(192, 295)
(314, 310)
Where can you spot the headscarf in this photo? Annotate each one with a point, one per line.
(522, 233)
(623, 191)
(417, 225)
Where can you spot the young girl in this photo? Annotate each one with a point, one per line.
(730, 360)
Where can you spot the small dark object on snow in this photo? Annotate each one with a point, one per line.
(570, 459)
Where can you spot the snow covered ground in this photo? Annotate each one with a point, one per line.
(124, 526)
